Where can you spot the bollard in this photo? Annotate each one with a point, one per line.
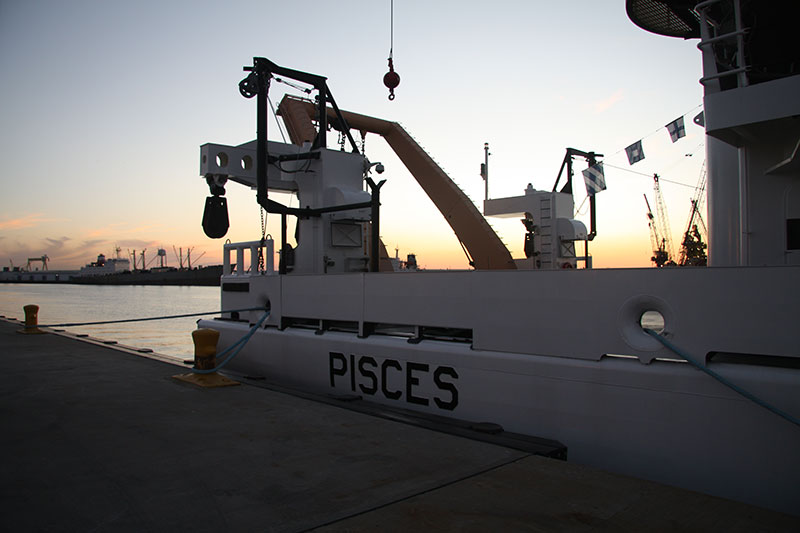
(205, 348)
(31, 321)
(205, 358)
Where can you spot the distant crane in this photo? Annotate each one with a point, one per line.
(189, 256)
(660, 254)
(179, 257)
(44, 259)
(151, 261)
(693, 249)
(663, 221)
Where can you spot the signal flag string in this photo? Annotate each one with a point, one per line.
(695, 108)
(649, 175)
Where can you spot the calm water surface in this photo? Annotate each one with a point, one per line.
(59, 303)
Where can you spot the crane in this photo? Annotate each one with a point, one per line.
(44, 259)
(693, 249)
(188, 258)
(179, 257)
(660, 254)
(151, 261)
(663, 222)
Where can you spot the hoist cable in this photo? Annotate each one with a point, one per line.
(278, 122)
(391, 27)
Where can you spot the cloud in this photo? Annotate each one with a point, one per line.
(607, 103)
(106, 230)
(136, 243)
(148, 227)
(91, 243)
(27, 221)
(118, 228)
(72, 252)
(57, 243)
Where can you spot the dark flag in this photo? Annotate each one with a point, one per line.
(676, 129)
(634, 152)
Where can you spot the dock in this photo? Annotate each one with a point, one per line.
(102, 438)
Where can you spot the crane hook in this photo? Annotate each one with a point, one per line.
(391, 79)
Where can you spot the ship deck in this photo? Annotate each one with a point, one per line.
(98, 438)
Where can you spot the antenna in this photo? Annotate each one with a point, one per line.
(485, 168)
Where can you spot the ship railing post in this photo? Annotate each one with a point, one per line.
(226, 260)
(270, 253)
(239, 260)
(254, 246)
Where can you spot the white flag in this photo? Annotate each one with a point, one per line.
(594, 179)
(676, 129)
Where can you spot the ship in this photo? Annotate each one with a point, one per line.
(103, 266)
(545, 345)
(117, 271)
(205, 276)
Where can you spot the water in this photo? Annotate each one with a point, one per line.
(60, 303)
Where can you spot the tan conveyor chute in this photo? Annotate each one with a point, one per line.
(481, 242)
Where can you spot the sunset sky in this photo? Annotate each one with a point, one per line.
(104, 104)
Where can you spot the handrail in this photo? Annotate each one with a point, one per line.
(237, 268)
(707, 28)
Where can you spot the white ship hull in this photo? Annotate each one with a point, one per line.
(665, 421)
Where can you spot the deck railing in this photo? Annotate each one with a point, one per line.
(712, 33)
(238, 268)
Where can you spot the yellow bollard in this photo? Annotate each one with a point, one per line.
(205, 348)
(205, 358)
(31, 321)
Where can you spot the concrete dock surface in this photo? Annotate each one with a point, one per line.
(98, 439)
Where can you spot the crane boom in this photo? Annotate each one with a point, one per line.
(692, 247)
(485, 248)
(660, 255)
(663, 220)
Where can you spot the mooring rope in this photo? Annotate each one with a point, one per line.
(165, 317)
(234, 348)
(750, 396)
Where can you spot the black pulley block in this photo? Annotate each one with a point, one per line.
(215, 217)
